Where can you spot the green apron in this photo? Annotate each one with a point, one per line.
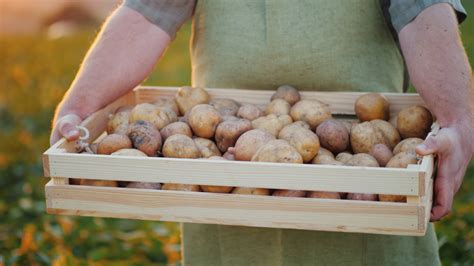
(327, 45)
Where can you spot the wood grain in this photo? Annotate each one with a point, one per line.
(231, 209)
(393, 181)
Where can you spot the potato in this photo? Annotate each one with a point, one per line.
(323, 151)
(145, 137)
(180, 146)
(372, 106)
(229, 131)
(302, 139)
(289, 193)
(188, 97)
(278, 107)
(333, 135)
(112, 143)
(392, 198)
(168, 103)
(251, 191)
(203, 119)
(362, 196)
(325, 159)
(323, 195)
(129, 152)
(407, 145)
(207, 147)
(312, 112)
(302, 124)
(229, 155)
(158, 116)
(364, 136)
(144, 185)
(390, 134)
(277, 151)
(216, 189)
(381, 153)
(343, 157)
(98, 183)
(181, 187)
(249, 142)
(287, 93)
(271, 123)
(175, 128)
(349, 124)
(118, 122)
(249, 111)
(402, 159)
(226, 107)
(362, 159)
(414, 122)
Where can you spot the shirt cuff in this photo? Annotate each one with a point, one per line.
(169, 15)
(402, 13)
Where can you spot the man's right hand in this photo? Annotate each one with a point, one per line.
(65, 126)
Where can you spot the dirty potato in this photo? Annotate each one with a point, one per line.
(229, 131)
(145, 137)
(312, 112)
(203, 119)
(112, 143)
(287, 93)
(333, 135)
(188, 97)
(303, 140)
(249, 112)
(372, 106)
(226, 107)
(207, 147)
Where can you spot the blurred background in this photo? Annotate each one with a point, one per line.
(42, 43)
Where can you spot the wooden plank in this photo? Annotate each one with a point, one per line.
(60, 180)
(393, 181)
(231, 209)
(339, 102)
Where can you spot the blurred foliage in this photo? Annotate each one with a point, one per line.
(36, 72)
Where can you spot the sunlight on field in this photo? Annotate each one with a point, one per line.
(35, 74)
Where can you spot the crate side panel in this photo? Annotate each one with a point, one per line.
(230, 173)
(261, 211)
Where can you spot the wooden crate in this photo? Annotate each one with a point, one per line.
(410, 218)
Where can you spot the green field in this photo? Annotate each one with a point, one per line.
(36, 72)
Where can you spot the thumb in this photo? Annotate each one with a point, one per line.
(433, 144)
(66, 126)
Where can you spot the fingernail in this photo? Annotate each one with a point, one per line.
(71, 133)
(422, 147)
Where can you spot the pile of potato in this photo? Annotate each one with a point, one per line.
(288, 130)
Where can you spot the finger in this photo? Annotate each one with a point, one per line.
(433, 144)
(66, 127)
(443, 195)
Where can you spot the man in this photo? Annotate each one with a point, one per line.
(314, 45)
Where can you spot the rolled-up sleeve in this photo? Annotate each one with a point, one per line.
(403, 12)
(169, 15)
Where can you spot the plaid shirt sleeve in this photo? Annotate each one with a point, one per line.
(403, 12)
(169, 15)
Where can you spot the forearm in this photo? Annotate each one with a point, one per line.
(438, 66)
(123, 54)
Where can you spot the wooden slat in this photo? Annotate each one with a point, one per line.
(230, 209)
(230, 173)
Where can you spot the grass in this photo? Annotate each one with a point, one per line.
(36, 72)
